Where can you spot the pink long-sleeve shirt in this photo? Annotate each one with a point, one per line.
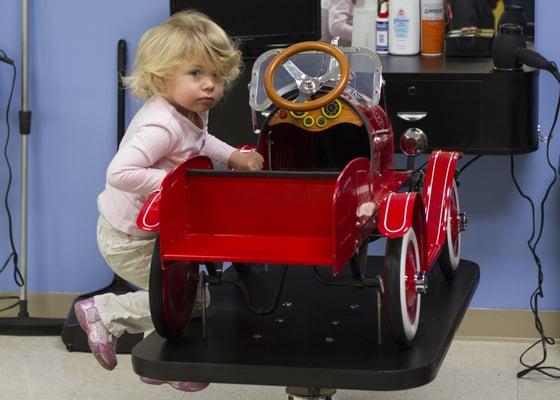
(157, 139)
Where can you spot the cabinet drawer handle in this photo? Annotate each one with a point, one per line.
(412, 116)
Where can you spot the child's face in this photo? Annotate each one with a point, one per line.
(194, 87)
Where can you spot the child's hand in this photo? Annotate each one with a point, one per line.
(246, 160)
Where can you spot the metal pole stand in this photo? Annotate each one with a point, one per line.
(23, 324)
(309, 393)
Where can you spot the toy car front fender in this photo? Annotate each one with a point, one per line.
(438, 186)
(398, 213)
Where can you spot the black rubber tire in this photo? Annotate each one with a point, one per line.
(157, 295)
(451, 252)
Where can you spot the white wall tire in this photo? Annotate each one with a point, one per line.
(451, 251)
(402, 300)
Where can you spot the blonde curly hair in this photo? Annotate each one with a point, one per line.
(186, 35)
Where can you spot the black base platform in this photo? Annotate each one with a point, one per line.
(320, 336)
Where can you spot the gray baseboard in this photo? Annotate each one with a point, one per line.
(478, 323)
(489, 323)
(41, 305)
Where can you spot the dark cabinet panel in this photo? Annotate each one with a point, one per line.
(446, 113)
(468, 106)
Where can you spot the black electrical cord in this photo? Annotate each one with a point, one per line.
(324, 281)
(467, 164)
(538, 292)
(250, 306)
(13, 256)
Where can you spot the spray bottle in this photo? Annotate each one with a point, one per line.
(363, 24)
(382, 30)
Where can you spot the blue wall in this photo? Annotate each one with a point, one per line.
(73, 99)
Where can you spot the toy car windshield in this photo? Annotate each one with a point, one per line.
(364, 83)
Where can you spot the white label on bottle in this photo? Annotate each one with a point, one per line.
(432, 11)
(382, 39)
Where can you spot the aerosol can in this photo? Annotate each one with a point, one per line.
(432, 15)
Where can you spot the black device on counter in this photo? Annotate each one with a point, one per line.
(510, 52)
(514, 14)
(469, 42)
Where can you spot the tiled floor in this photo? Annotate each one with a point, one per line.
(40, 368)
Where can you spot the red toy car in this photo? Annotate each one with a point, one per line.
(328, 184)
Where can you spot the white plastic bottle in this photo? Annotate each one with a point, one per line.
(363, 24)
(382, 30)
(404, 27)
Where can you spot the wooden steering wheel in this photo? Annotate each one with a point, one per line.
(307, 85)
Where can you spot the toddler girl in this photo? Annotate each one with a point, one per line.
(181, 69)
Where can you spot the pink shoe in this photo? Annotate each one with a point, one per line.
(183, 386)
(101, 342)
